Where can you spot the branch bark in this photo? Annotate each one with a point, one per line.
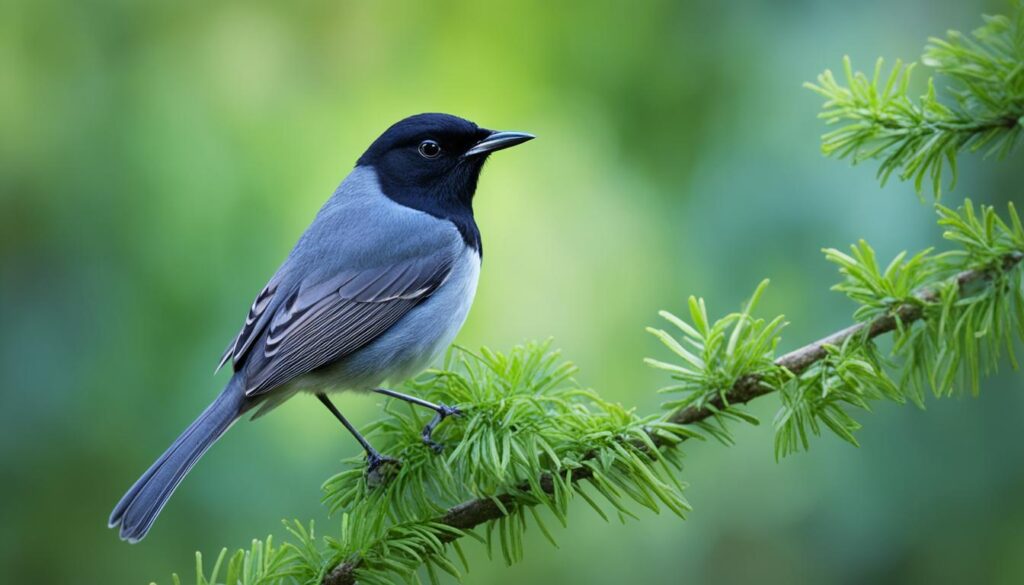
(476, 512)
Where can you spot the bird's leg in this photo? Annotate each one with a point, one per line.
(373, 457)
(443, 411)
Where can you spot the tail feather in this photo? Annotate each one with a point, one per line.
(139, 507)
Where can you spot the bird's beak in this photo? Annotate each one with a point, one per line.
(498, 141)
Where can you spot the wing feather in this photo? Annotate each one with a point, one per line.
(259, 313)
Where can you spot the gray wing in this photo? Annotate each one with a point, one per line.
(320, 322)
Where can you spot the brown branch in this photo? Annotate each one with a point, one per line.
(475, 512)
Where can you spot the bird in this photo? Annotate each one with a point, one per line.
(374, 290)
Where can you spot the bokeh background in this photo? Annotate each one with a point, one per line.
(159, 159)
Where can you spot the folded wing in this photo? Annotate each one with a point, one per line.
(317, 323)
(324, 322)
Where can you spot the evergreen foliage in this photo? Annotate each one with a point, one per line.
(919, 140)
(526, 432)
(720, 354)
(946, 334)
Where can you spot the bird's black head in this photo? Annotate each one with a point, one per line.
(431, 162)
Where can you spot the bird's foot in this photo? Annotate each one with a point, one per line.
(380, 469)
(446, 411)
(443, 412)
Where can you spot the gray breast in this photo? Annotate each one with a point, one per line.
(416, 340)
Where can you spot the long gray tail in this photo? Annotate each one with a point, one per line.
(142, 503)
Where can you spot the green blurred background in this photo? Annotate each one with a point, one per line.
(158, 160)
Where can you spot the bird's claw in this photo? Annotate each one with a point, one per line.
(433, 445)
(443, 412)
(380, 468)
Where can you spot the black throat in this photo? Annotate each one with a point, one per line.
(450, 199)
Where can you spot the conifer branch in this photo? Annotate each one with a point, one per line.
(982, 109)
(479, 511)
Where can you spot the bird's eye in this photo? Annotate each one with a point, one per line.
(430, 149)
